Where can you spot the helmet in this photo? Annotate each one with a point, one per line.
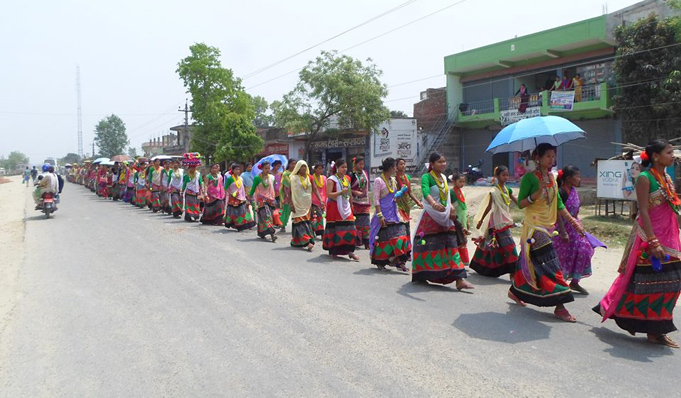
(46, 167)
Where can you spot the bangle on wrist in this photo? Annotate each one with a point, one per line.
(529, 199)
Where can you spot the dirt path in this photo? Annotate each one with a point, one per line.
(12, 201)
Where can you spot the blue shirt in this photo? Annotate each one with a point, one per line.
(248, 179)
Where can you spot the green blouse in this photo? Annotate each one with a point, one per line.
(654, 185)
(529, 185)
(428, 181)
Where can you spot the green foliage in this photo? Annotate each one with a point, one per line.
(398, 115)
(263, 118)
(222, 109)
(70, 158)
(647, 68)
(336, 87)
(13, 159)
(132, 152)
(110, 136)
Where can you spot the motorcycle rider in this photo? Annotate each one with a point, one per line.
(47, 182)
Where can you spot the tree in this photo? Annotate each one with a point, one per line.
(70, 158)
(333, 87)
(223, 111)
(110, 136)
(647, 67)
(398, 115)
(263, 118)
(13, 159)
(132, 152)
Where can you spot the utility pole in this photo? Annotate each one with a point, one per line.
(93, 149)
(185, 136)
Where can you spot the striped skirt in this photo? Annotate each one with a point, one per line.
(302, 233)
(214, 213)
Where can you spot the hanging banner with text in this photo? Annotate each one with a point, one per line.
(562, 100)
(513, 115)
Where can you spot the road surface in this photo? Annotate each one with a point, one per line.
(114, 301)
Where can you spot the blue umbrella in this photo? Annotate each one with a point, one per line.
(100, 160)
(526, 134)
(271, 158)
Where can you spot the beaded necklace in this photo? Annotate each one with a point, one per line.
(505, 195)
(442, 186)
(344, 184)
(666, 187)
(361, 180)
(265, 178)
(304, 181)
(549, 190)
(214, 180)
(318, 181)
(238, 182)
(389, 184)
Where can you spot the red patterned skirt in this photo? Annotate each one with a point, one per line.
(340, 235)
(436, 255)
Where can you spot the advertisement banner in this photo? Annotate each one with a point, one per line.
(512, 115)
(562, 100)
(616, 179)
(395, 138)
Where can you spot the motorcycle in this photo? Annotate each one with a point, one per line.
(48, 206)
(473, 173)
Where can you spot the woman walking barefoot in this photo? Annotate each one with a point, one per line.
(496, 252)
(642, 298)
(574, 250)
(361, 207)
(318, 199)
(214, 208)
(461, 211)
(238, 211)
(389, 242)
(302, 234)
(340, 233)
(263, 194)
(538, 279)
(435, 249)
(192, 187)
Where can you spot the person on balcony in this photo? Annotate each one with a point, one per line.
(556, 85)
(566, 84)
(524, 98)
(577, 84)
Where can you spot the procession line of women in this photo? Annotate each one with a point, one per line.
(554, 247)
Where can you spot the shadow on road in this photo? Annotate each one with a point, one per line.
(628, 347)
(327, 259)
(410, 287)
(41, 216)
(476, 279)
(378, 272)
(508, 328)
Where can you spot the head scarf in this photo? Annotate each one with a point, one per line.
(301, 191)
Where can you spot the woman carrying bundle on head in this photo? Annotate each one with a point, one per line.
(263, 194)
(435, 249)
(214, 203)
(175, 180)
(574, 249)
(318, 200)
(340, 233)
(361, 206)
(389, 242)
(238, 211)
(643, 297)
(192, 187)
(538, 279)
(302, 234)
(496, 252)
(461, 210)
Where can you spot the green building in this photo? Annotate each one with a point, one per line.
(483, 84)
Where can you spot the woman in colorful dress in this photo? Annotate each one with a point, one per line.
(141, 186)
(302, 234)
(285, 194)
(435, 251)
(175, 179)
(642, 298)
(340, 233)
(461, 211)
(403, 202)
(238, 210)
(154, 178)
(130, 184)
(318, 199)
(102, 175)
(165, 191)
(389, 242)
(538, 279)
(361, 206)
(192, 188)
(496, 252)
(263, 194)
(214, 203)
(574, 250)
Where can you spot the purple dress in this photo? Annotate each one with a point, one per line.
(574, 256)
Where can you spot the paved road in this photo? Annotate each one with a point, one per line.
(144, 305)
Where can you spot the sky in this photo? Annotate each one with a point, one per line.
(128, 53)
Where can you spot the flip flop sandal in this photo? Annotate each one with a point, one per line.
(663, 340)
(565, 315)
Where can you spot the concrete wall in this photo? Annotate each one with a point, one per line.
(600, 133)
(432, 111)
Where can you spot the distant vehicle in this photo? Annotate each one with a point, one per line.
(50, 161)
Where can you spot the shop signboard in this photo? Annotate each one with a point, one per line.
(396, 138)
(616, 179)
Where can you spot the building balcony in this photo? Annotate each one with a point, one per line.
(595, 103)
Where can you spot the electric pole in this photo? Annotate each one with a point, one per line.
(186, 122)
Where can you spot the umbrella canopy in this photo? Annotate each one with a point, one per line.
(271, 158)
(526, 134)
(100, 160)
(108, 163)
(121, 158)
(161, 157)
(142, 160)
